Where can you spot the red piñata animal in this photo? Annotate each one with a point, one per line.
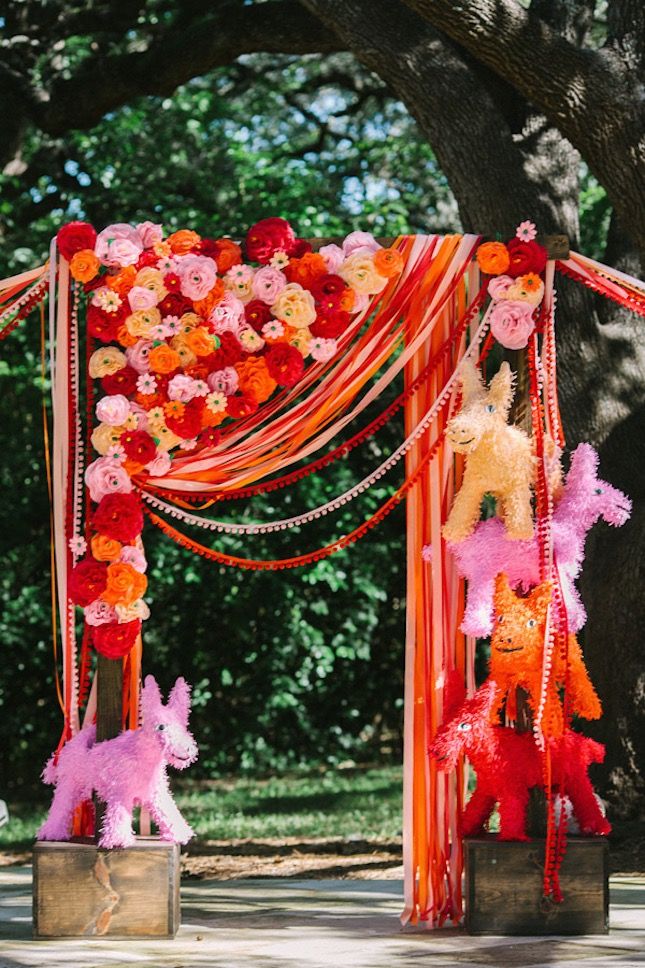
(516, 653)
(508, 764)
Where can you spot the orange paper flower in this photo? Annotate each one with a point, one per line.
(307, 269)
(104, 548)
(228, 254)
(183, 241)
(531, 282)
(388, 262)
(174, 408)
(493, 258)
(347, 300)
(200, 341)
(123, 281)
(255, 378)
(163, 359)
(124, 584)
(125, 337)
(84, 265)
(206, 305)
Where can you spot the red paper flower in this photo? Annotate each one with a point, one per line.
(86, 581)
(139, 446)
(525, 257)
(229, 353)
(210, 437)
(102, 325)
(241, 405)
(74, 237)
(257, 314)
(300, 248)
(268, 236)
(189, 424)
(114, 641)
(330, 325)
(147, 258)
(123, 381)
(285, 364)
(119, 516)
(327, 287)
(174, 304)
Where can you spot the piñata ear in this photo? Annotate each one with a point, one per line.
(505, 597)
(471, 381)
(482, 701)
(584, 463)
(150, 698)
(540, 597)
(179, 700)
(500, 391)
(454, 694)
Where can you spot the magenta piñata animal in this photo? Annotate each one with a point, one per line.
(508, 764)
(488, 551)
(127, 770)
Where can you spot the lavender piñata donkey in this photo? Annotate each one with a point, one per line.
(127, 770)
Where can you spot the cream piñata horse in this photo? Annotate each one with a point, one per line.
(499, 461)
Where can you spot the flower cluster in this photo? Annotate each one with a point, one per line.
(193, 332)
(517, 286)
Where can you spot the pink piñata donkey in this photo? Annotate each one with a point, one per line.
(488, 552)
(508, 764)
(127, 770)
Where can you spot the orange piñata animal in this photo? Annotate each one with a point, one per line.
(516, 652)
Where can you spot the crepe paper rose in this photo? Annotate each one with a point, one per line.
(87, 581)
(129, 613)
(329, 287)
(200, 342)
(106, 476)
(272, 330)
(493, 258)
(124, 584)
(511, 323)
(359, 272)
(141, 298)
(257, 313)
(113, 410)
(333, 256)
(267, 284)
(141, 322)
(123, 381)
(106, 299)
(198, 275)
(239, 280)
(149, 277)
(526, 257)
(74, 237)
(187, 424)
(295, 306)
(300, 338)
(388, 262)
(526, 231)
(226, 253)
(528, 288)
(163, 359)
(133, 554)
(331, 325)
(119, 516)
(242, 405)
(118, 245)
(206, 305)
(285, 364)
(183, 241)
(84, 265)
(160, 466)
(104, 548)
(138, 356)
(229, 352)
(228, 315)
(167, 438)
(499, 286)
(105, 437)
(106, 361)
(150, 233)
(216, 401)
(359, 240)
(181, 388)
(139, 446)
(99, 613)
(307, 269)
(101, 325)
(77, 545)
(322, 349)
(122, 281)
(255, 378)
(266, 237)
(114, 641)
(251, 341)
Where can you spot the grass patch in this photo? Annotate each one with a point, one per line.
(349, 803)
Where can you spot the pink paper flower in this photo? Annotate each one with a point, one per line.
(526, 231)
(150, 233)
(113, 410)
(228, 315)
(181, 388)
(107, 476)
(99, 613)
(322, 349)
(137, 355)
(511, 323)
(118, 245)
(198, 274)
(267, 284)
(141, 298)
(359, 240)
(160, 466)
(134, 556)
(499, 286)
(224, 381)
(333, 256)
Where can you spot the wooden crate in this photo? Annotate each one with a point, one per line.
(504, 888)
(80, 890)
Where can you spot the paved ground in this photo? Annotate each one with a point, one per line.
(311, 924)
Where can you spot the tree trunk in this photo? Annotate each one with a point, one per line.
(505, 163)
